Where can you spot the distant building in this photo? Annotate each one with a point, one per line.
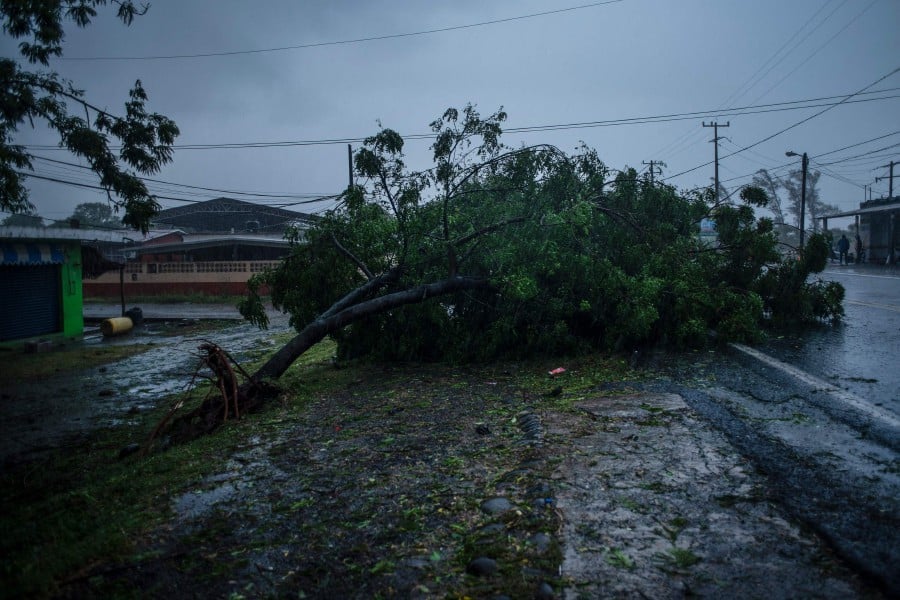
(877, 224)
(213, 248)
(226, 215)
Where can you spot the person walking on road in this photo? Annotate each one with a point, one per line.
(859, 249)
(843, 248)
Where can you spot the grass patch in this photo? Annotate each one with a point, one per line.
(83, 504)
(679, 558)
(383, 467)
(619, 559)
(80, 505)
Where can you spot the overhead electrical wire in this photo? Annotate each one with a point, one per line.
(794, 42)
(846, 100)
(816, 51)
(743, 110)
(874, 139)
(157, 196)
(864, 154)
(681, 144)
(194, 187)
(345, 42)
(788, 165)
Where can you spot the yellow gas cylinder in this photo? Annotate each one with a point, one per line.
(115, 326)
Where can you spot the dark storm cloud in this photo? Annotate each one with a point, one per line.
(628, 59)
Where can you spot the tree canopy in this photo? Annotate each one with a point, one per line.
(93, 214)
(145, 139)
(23, 220)
(507, 252)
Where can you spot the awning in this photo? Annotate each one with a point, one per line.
(31, 254)
(878, 208)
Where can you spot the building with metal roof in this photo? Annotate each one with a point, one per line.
(877, 222)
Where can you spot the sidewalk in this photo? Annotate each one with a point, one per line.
(166, 311)
(863, 269)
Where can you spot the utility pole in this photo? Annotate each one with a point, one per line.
(653, 166)
(890, 178)
(805, 164)
(350, 163)
(715, 125)
(892, 226)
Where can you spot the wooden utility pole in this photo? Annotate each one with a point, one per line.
(892, 219)
(715, 125)
(653, 166)
(890, 178)
(350, 164)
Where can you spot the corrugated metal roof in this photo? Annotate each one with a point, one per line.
(196, 241)
(111, 236)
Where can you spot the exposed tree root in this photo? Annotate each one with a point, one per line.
(235, 397)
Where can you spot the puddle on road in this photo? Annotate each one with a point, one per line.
(45, 414)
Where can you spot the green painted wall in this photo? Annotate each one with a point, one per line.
(72, 298)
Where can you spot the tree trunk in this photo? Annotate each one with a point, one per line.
(333, 321)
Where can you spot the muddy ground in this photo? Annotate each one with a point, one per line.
(423, 481)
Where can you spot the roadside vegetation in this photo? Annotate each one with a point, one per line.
(388, 466)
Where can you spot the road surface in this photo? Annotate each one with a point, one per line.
(819, 414)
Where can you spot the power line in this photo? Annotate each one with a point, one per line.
(874, 139)
(664, 118)
(817, 50)
(195, 187)
(350, 41)
(157, 196)
(797, 41)
(680, 143)
(797, 124)
(860, 155)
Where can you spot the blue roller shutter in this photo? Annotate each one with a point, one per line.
(30, 294)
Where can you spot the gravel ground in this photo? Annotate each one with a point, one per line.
(434, 482)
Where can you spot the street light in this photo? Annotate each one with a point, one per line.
(805, 163)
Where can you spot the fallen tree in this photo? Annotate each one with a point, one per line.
(498, 252)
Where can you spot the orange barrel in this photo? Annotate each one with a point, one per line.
(116, 326)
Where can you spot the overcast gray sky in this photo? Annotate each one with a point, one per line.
(630, 59)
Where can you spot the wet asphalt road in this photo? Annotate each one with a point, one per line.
(862, 354)
(824, 427)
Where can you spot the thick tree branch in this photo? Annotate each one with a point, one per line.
(352, 257)
(335, 320)
(362, 291)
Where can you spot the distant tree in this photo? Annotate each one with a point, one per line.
(815, 208)
(764, 180)
(93, 214)
(27, 96)
(788, 235)
(724, 195)
(23, 220)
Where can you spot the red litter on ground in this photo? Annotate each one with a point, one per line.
(557, 371)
